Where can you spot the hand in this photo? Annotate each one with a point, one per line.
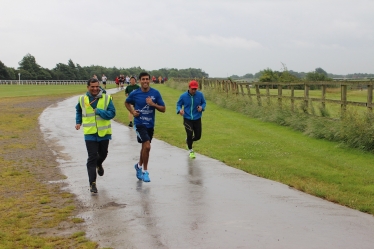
(77, 126)
(199, 108)
(135, 113)
(181, 112)
(149, 101)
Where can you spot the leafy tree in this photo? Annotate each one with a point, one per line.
(234, 77)
(288, 77)
(300, 75)
(318, 75)
(258, 74)
(64, 72)
(248, 75)
(321, 71)
(269, 75)
(71, 64)
(114, 73)
(12, 73)
(314, 76)
(44, 74)
(28, 63)
(173, 74)
(4, 73)
(26, 75)
(81, 73)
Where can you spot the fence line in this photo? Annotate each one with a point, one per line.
(46, 82)
(244, 88)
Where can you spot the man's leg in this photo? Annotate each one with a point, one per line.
(131, 117)
(103, 153)
(197, 129)
(188, 127)
(92, 150)
(144, 136)
(144, 154)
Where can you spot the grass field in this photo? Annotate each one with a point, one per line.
(27, 204)
(321, 168)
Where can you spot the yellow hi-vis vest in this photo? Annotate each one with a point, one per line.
(91, 122)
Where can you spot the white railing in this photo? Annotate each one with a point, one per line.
(46, 82)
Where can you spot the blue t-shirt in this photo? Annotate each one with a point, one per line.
(147, 113)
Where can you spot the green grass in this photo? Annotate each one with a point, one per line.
(29, 207)
(319, 167)
(324, 169)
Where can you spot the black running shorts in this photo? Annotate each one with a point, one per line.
(143, 133)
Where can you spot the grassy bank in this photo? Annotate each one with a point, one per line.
(33, 212)
(318, 167)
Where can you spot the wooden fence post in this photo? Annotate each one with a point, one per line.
(343, 98)
(324, 96)
(370, 98)
(258, 95)
(280, 96)
(268, 94)
(292, 98)
(306, 97)
(249, 93)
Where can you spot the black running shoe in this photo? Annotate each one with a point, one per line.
(130, 125)
(100, 170)
(93, 188)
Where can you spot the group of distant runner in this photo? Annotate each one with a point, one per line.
(95, 109)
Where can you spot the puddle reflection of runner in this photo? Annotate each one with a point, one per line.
(196, 197)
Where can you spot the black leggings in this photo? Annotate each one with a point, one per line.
(97, 152)
(193, 129)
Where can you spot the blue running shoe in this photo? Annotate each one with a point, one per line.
(139, 173)
(146, 177)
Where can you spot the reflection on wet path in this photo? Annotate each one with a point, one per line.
(198, 203)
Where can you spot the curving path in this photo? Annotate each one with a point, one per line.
(199, 203)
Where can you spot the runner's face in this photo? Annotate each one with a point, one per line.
(94, 88)
(132, 81)
(192, 91)
(144, 82)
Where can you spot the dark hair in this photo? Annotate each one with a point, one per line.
(92, 80)
(142, 74)
(132, 77)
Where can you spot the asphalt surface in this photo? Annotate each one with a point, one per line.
(192, 203)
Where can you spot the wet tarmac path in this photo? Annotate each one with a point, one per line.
(192, 203)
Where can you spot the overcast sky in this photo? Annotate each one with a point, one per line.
(222, 37)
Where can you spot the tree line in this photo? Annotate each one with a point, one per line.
(31, 70)
(285, 75)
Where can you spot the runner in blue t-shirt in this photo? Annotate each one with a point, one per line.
(146, 101)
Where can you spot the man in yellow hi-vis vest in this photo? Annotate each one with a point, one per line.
(94, 111)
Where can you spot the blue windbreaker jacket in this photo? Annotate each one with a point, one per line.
(190, 103)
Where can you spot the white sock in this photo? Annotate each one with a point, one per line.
(139, 166)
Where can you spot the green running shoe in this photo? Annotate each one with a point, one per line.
(192, 154)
